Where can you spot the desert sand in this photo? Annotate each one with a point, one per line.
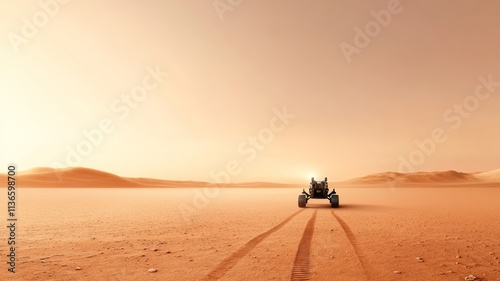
(378, 233)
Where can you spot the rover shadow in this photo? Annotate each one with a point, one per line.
(354, 207)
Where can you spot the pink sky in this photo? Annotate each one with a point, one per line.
(228, 74)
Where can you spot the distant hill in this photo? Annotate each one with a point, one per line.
(418, 177)
(491, 176)
(72, 177)
(85, 177)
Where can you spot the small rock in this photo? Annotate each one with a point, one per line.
(168, 252)
(396, 272)
(449, 271)
(155, 250)
(419, 259)
(152, 270)
(458, 256)
(470, 278)
(78, 268)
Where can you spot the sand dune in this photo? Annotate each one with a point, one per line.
(72, 177)
(85, 177)
(419, 177)
(491, 176)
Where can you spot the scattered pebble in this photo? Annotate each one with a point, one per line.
(470, 278)
(419, 259)
(152, 270)
(78, 268)
(396, 272)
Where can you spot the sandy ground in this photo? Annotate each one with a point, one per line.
(255, 234)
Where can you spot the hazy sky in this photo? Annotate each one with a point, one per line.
(364, 80)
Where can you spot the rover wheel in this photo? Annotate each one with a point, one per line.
(334, 200)
(302, 201)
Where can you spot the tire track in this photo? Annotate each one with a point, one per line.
(300, 270)
(230, 261)
(354, 243)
